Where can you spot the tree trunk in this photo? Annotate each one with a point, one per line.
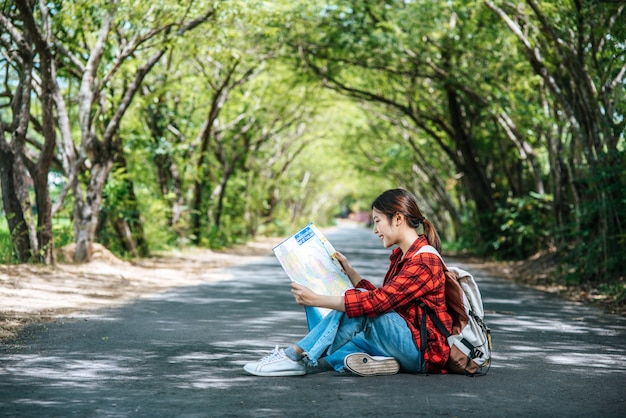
(196, 212)
(86, 210)
(39, 171)
(44, 215)
(220, 194)
(15, 179)
(16, 221)
(474, 176)
(125, 235)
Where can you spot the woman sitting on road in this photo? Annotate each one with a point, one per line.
(375, 331)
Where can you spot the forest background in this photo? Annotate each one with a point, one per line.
(147, 127)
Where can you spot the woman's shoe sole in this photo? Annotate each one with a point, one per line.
(363, 364)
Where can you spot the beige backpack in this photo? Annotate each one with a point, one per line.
(470, 338)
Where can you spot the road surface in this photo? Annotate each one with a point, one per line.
(180, 354)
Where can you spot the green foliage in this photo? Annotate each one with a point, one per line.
(524, 227)
(616, 290)
(63, 231)
(7, 255)
(114, 197)
(158, 232)
(597, 245)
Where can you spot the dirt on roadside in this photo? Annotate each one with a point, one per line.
(39, 293)
(541, 272)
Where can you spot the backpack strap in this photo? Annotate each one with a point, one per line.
(436, 321)
(430, 249)
(423, 335)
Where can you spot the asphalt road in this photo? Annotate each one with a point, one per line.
(180, 354)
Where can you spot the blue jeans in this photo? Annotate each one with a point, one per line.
(336, 336)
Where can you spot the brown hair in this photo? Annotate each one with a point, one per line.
(394, 201)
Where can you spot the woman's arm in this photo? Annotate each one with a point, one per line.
(305, 296)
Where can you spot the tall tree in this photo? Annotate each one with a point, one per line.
(162, 115)
(578, 51)
(222, 80)
(125, 44)
(17, 56)
(33, 43)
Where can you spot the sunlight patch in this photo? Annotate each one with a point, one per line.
(196, 357)
(604, 361)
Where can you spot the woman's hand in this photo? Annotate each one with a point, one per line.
(307, 297)
(354, 277)
(343, 260)
(303, 295)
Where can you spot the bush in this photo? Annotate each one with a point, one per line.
(595, 236)
(525, 227)
(7, 256)
(63, 232)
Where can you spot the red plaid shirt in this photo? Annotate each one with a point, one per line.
(409, 281)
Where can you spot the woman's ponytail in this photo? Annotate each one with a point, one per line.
(431, 235)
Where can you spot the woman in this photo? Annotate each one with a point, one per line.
(376, 331)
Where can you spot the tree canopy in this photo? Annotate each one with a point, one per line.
(150, 126)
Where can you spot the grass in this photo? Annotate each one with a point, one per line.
(62, 231)
(6, 247)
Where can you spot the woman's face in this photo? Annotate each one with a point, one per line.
(383, 227)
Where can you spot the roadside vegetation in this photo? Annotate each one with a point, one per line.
(146, 127)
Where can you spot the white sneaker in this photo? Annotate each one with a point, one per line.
(365, 365)
(276, 364)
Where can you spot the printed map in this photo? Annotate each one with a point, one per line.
(307, 259)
